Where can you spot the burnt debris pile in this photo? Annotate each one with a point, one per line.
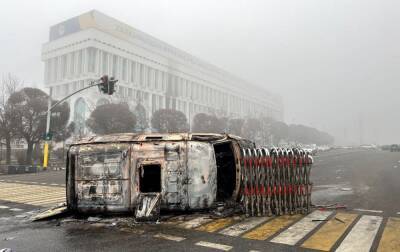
(275, 181)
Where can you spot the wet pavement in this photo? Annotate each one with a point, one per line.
(360, 179)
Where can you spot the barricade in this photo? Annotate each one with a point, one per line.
(275, 181)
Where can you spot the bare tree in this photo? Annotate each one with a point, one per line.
(8, 120)
(30, 106)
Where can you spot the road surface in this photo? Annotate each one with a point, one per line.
(366, 181)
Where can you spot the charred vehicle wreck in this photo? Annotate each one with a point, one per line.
(147, 172)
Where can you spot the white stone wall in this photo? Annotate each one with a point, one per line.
(150, 74)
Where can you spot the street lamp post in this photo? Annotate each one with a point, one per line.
(106, 86)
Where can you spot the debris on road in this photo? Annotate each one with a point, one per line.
(336, 218)
(6, 250)
(9, 238)
(93, 219)
(51, 213)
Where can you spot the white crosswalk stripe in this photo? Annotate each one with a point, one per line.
(243, 226)
(15, 209)
(36, 195)
(170, 237)
(368, 210)
(299, 230)
(214, 245)
(194, 223)
(362, 235)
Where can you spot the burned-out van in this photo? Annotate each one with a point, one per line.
(111, 173)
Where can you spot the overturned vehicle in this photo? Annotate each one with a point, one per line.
(146, 173)
(114, 173)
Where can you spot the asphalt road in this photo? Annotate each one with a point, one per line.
(360, 179)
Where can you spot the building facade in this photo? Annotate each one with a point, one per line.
(151, 74)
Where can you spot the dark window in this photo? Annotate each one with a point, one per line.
(150, 178)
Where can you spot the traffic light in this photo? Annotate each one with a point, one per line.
(111, 86)
(107, 86)
(104, 84)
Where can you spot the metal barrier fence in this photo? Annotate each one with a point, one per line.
(276, 181)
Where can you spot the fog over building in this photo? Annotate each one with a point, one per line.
(151, 74)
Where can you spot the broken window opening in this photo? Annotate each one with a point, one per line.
(150, 178)
(226, 170)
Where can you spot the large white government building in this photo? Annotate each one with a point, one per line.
(151, 74)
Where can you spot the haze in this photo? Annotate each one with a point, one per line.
(335, 63)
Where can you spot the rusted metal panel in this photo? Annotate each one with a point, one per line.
(102, 177)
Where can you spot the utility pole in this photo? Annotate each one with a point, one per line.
(47, 140)
(106, 86)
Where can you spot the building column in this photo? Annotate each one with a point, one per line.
(85, 62)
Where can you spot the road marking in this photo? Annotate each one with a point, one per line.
(216, 225)
(398, 213)
(31, 194)
(21, 193)
(43, 183)
(214, 245)
(49, 201)
(27, 197)
(330, 232)
(15, 209)
(170, 237)
(194, 223)
(54, 184)
(270, 228)
(390, 240)
(34, 182)
(362, 235)
(368, 210)
(300, 229)
(4, 207)
(243, 226)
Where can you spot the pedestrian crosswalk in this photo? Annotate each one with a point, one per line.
(320, 230)
(325, 238)
(36, 195)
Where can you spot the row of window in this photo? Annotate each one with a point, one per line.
(132, 73)
(157, 101)
(128, 94)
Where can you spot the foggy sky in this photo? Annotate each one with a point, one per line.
(334, 62)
